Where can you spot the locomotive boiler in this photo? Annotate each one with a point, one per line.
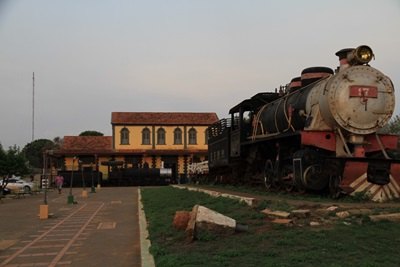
(320, 132)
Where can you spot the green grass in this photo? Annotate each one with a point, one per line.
(369, 244)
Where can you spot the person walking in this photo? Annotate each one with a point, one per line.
(59, 182)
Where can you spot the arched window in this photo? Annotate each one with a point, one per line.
(206, 137)
(146, 136)
(192, 136)
(177, 136)
(124, 136)
(161, 136)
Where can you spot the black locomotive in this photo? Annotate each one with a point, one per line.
(319, 132)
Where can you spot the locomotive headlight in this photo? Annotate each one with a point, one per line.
(361, 55)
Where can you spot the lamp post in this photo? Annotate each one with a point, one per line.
(84, 192)
(97, 172)
(70, 196)
(44, 209)
(45, 179)
(98, 179)
(91, 172)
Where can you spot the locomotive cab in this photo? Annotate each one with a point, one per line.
(244, 121)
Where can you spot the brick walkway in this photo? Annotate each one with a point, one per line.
(100, 230)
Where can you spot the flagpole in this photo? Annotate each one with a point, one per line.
(33, 107)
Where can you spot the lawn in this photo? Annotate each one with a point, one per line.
(265, 244)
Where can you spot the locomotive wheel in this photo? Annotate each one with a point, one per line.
(287, 179)
(277, 182)
(334, 189)
(308, 172)
(314, 178)
(268, 174)
(289, 186)
(300, 189)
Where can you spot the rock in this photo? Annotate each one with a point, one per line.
(214, 193)
(342, 214)
(315, 224)
(393, 217)
(276, 213)
(359, 211)
(204, 219)
(181, 219)
(332, 208)
(322, 212)
(300, 213)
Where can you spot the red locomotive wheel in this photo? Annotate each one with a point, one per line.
(268, 174)
(334, 189)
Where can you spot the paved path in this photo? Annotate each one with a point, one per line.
(100, 230)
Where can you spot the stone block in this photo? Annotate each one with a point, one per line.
(393, 217)
(276, 213)
(301, 214)
(204, 219)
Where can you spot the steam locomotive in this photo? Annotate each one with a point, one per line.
(320, 132)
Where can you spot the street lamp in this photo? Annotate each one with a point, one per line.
(84, 192)
(45, 179)
(44, 209)
(70, 196)
(91, 172)
(83, 178)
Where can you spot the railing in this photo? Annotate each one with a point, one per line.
(219, 128)
(198, 168)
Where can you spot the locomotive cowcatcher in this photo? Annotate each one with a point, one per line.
(319, 133)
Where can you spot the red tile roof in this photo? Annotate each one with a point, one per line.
(163, 118)
(87, 143)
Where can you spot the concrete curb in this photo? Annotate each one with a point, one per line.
(146, 257)
(248, 200)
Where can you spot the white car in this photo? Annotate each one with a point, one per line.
(17, 184)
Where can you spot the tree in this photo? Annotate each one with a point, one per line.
(3, 159)
(34, 151)
(58, 142)
(393, 127)
(91, 133)
(11, 162)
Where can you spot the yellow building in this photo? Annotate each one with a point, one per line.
(143, 139)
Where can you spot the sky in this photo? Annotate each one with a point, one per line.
(94, 57)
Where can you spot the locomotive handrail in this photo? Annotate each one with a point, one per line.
(344, 142)
(381, 146)
(289, 120)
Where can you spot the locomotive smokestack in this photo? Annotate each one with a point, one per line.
(342, 54)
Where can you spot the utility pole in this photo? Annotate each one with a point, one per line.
(33, 107)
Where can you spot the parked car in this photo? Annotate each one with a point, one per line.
(17, 184)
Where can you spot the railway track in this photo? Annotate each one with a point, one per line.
(56, 241)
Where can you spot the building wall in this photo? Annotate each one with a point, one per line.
(153, 159)
(135, 137)
(180, 166)
(69, 166)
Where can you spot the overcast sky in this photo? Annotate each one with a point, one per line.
(93, 57)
